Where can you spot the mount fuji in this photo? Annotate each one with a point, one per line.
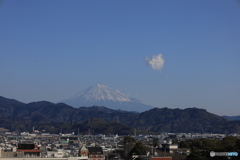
(101, 95)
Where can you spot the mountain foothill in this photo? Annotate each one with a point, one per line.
(56, 118)
(97, 105)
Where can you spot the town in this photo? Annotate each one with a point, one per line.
(36, 145)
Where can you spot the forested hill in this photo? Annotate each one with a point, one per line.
(157, 119)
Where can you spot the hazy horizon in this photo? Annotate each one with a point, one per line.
(175, 54)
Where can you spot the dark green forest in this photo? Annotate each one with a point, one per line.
(201, 148)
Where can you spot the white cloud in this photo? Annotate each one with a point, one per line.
(156, 61)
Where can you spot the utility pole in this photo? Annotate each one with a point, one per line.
(89, 127)
(78, 136)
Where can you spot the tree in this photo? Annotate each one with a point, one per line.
(128, 144)
(230, 143)
(201, 148)
(196, 154)
(138, 149)
(128, 139)
(155, 142)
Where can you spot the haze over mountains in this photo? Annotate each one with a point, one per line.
(101, 95)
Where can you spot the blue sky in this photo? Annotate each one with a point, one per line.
(51, 50)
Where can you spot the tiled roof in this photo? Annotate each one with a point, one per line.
(161, 158)
(29, 150)
(95, 150)
(83, 148)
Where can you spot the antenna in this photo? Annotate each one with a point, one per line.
(79, 139)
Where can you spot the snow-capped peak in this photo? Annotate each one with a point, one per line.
(101, 95)
(100, 92)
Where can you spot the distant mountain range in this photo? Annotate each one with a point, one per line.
(43, 115)
(101, 95)
(232, 117)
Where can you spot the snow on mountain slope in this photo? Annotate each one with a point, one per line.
(101, 92)
(101, 95)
